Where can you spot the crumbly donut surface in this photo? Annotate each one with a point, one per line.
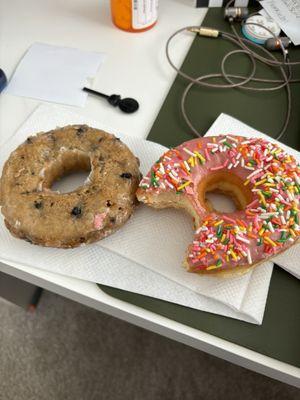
(34, 212)
(262, 179)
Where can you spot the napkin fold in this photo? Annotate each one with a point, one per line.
(54, 73)
(145, 256)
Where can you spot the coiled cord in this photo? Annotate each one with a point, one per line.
(239, 81)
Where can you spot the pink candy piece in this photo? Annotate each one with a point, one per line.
(207, 154)
(189, 190)
(253, 204)
(227, 219)
(98, 220)
(216, 168)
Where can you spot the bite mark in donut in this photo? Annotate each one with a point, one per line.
(262, 179)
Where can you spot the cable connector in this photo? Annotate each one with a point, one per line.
(276, 43)
(207, 32)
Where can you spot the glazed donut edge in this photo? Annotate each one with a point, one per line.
(261, 178)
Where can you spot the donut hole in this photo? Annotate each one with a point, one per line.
(70, 171)
(223, 192)
(220, 202)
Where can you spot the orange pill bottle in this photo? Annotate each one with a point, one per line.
(134, 15)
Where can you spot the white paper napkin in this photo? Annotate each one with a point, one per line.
(54, 73)
(145, 256)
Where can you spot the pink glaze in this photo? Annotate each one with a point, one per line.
(270, 222)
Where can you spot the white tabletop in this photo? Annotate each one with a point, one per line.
(136, 66)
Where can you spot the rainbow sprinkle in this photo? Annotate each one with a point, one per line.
(269, 223)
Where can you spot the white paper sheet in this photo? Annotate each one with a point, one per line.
(56, 74)
(287, 15)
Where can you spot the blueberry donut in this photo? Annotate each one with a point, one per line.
(262, 179)
(35, 213)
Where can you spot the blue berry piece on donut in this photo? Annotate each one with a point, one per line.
(81, 129)
(126, 175)
(38, 204)
(76, 212)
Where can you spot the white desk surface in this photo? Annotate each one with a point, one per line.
(136, 66)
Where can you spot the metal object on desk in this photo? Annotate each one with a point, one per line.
(273, 44)
(236, 13)
(254, 29)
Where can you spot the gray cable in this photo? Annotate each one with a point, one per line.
(242, 80)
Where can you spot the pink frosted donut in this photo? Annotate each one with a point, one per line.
(262, 179)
